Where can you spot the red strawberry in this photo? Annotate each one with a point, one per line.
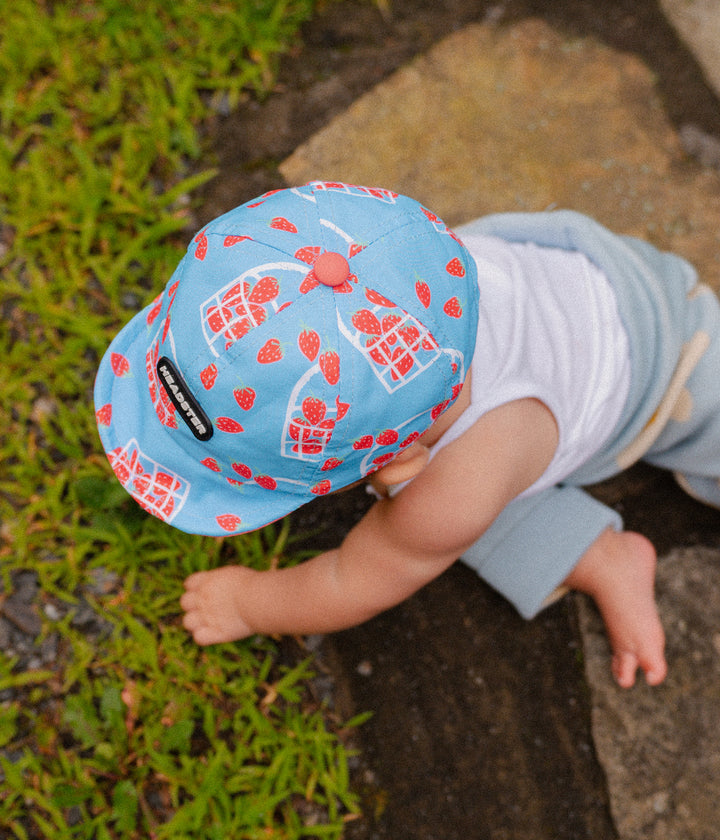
(381, 460)
(258, 313)
(262, 198)
(103, 415)
(309, 344)
(202, 245)
(119, 364)
(341, 408)
(367, 322)
(266, 481)
(379, 350)
(422, 290)
(389, 322)
(141, 484)
(244, 397)
(228, 521)
(270, 352)
(122, 472)
(227, 424)
(229, 241)
(165, 481)
(345, 288)
(266, 289)
(431, 216)
(330, 464)
(411, 438)
(308, 448)
(211, 464)
(243, 470)
(453, 308)
(382, 193)
(314, 410)
(166, 416)
(438, 409)
(402, 362)
(154, 310)
(386, 438)
(218, 318)
(308, 254)
(410, 336)
(208, 376)
(236, 294)
(377, 299)
(330, 366)
(281, 223)
(237, 330)
(365, 442)
(309, 283)
(455, 267)
(167, 508)
(299, 427)
(321, 488)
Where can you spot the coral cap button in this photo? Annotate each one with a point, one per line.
(331, 269)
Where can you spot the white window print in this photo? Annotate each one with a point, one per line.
(157, 489)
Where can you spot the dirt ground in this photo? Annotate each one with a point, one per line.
(351, 46)
(482, 721)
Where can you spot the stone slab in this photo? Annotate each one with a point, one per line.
(698, 24)
(502, 119)
(660, 747)
(517, 118)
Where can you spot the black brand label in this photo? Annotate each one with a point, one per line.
(186, 404)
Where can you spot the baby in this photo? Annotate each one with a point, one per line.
(330, 334)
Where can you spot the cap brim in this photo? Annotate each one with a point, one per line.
(160, 483)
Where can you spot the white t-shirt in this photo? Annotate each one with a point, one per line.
(549, 328)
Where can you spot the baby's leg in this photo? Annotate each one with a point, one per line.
(618, 572)
(564, 535)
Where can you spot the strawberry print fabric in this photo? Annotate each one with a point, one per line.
(308, 387)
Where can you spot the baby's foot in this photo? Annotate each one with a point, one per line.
(618, 572)
(213, 605)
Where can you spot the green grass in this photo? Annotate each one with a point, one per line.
(133, 732)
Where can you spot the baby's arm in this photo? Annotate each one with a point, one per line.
(399, 546)
(367, 574)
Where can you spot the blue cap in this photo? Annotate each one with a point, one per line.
(305, 339)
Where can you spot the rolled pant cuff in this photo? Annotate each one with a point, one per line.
(536, 542)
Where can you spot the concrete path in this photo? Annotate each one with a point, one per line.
(517, 118)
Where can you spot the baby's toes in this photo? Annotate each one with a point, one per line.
(655, 674)
(624, 667)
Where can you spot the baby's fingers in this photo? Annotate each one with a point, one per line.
(189, 600)
(194, 581)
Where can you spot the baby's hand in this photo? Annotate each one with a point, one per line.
(212, 604)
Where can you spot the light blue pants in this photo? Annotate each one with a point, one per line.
(671, 420)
